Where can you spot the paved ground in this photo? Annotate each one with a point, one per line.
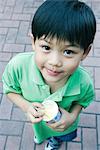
(15, 131)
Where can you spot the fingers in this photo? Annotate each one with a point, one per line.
(33, 119)
(57, 126)
(38, 105)
(36, 109)
(35, 112)
(39, 108)
(63, 123)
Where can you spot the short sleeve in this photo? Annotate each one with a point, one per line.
(10, 79)
(87, 94)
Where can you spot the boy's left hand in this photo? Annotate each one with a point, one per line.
(67, 119)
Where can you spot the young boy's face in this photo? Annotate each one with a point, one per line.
(56, 59)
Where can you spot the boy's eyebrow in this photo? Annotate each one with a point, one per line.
(68, 45)
(45, 40)
(73, 45)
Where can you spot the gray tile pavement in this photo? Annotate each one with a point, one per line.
(15, 131)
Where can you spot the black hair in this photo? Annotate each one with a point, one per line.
(69, 20)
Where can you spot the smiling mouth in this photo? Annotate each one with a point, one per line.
(52, 72)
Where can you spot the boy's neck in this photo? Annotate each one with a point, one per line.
(55, 86)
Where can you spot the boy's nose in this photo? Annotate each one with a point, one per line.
(55, 60)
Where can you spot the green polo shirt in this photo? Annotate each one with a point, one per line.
(22, 76)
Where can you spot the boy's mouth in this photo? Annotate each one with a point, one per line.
(53, 72)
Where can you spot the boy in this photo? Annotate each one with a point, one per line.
(62, 35)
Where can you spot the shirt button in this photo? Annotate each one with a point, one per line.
(43, 87)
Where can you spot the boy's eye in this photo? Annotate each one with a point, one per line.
(44, 47)
(68, 53)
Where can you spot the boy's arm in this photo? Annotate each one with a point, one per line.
(75, 111)
(19, 101)
(29, 108)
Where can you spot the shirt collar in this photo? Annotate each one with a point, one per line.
(72, 86)
(37, 77)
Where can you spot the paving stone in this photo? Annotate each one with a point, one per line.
(29, 4)
(18, 115)
(18, 8)
(97, 52)
(96, 41)
(5, 56)
(92, 62)
(95, 7)
(24, 17)
(14, 54)
(9, 23)
(3, 31)
(20, 2)
(28, 48)
(5, 15)
(10, 2)
(0, 98)
(98, 128)
(1, 8)
(97, 78)
(93, 108)
(2, 142)
(74, 146)
(99, 147)
(13, 143)
(1, 89)
(28, 10)
(5, 108)
(89, 139)
(27, 137)
(87, 120)
(9, 127)
(2, 2)
(40, 146)
(23, 40)
(2, 67)
(98, 27)
(8, 9)
(37, 3)
(14, 47)
(97, 95)
(23, 28)
(63, 146)
(2, 40)
(11, 36)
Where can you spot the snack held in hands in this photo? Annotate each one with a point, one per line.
(52, 112)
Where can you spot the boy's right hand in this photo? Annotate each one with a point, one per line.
(35, 112)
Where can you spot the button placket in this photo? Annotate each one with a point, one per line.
(46, 89)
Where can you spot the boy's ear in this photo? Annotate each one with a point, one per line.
(86, 52)
(32, 39)
(33, 45)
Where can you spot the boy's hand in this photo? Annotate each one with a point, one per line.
(67, 119)
(35, 112)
